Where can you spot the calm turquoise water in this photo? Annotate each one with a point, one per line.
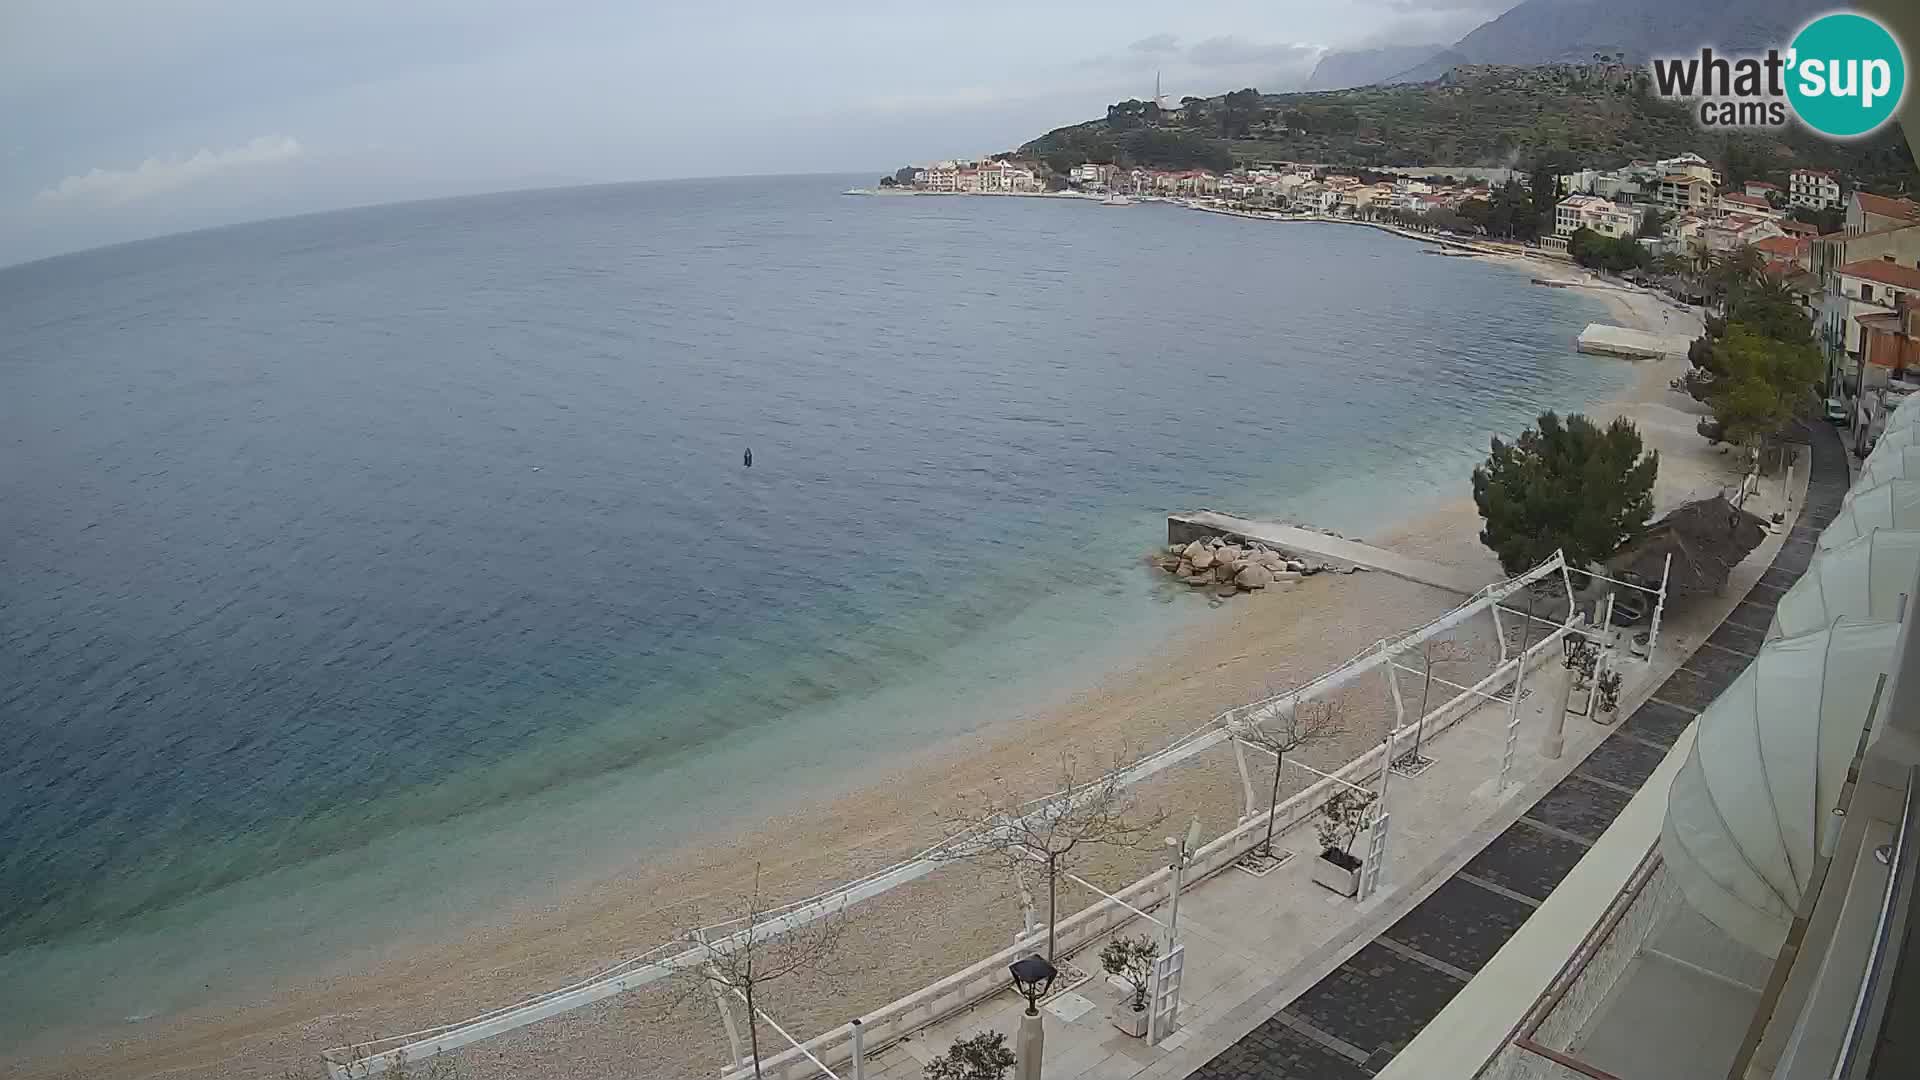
(348, 549)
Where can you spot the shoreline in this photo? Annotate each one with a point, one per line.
(1221, 659)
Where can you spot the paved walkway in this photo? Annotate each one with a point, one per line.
(1297, 541)
(1348, 1025)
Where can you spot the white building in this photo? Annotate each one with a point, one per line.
(1090, 175)
(1736, 231)
(939, 176)
(1737, 202)
(1816, 188)
(1690, 165)
(1577, 212)
(1685, 191)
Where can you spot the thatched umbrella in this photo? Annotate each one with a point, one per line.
(1707, 539)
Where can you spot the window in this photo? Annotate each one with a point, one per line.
(1866, 292)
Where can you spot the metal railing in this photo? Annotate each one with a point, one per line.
(1896, 908)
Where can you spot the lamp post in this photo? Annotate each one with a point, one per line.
(1187, 845)
(1032, 976)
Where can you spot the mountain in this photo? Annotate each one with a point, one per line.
(1341, 69)
(1569, 31)
(1597, 115)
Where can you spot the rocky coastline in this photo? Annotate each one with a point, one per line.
(1232, 564)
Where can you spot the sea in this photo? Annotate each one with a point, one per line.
(365, 573)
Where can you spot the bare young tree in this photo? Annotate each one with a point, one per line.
(1053, 833)
(1432, 651)
(1305, 723)
(760, 947)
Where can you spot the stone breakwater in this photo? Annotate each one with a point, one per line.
(1232, 564)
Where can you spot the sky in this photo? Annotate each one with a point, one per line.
(134, 118)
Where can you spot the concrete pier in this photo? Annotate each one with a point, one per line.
(1307, 544)
(1604, 340)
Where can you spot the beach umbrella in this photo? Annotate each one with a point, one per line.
(1707, 538)
(1863, 578)
(1890, 462)
(1752, 807)
(1894, 504)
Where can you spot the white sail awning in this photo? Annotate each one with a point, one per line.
(1894, 504)
(1891, 461)
(1863, 579)
(1747, 811)
(1905, 414)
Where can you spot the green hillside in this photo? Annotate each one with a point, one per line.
(1597, 115)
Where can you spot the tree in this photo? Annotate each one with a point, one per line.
(1652, 224)
(1760, 384)
(1052, 833)
(1432, 651)
(889, 181)
(981, 1056)
(1132, 959)
(1477, 213)
(1238, 111)
(1340, 819)
(741, 964)
(1574, 487)
(1614, 253)
(1829, 220)
(1306, 723)
(1544, 193)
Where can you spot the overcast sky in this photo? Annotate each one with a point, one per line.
(129, 118)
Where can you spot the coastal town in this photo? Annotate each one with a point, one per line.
(1850, 256)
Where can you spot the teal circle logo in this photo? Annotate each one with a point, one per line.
(1846, 75)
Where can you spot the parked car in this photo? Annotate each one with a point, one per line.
(1837, 411)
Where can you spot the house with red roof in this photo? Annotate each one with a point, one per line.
(1737, 202)
(1785, 255)
(1867, 212)
(1863, 288)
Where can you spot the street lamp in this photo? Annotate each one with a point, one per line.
(1032, 976)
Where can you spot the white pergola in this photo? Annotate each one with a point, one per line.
(359, 1061)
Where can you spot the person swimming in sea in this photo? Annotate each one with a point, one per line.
(749, 457)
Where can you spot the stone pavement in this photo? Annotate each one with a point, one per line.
(1352, 1022)
(1285, 979)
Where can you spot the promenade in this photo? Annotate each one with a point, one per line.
(1286, 980)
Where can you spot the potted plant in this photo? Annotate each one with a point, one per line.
(1340, 819)
(1608, 691)
(1131, 959)
(982, 1056)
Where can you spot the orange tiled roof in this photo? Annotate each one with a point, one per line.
(1904, 209)
(1884, 272)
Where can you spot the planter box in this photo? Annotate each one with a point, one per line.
(1337, 877)
(1129, 1019)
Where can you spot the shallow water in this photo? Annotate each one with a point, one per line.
(416, 540)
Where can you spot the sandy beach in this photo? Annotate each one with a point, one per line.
(1243, 649)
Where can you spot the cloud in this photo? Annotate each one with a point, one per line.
(1228, 57)
(156, 175)
(1230, 51)
(1157, 43)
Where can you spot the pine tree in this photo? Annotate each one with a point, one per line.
(1574, 487)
